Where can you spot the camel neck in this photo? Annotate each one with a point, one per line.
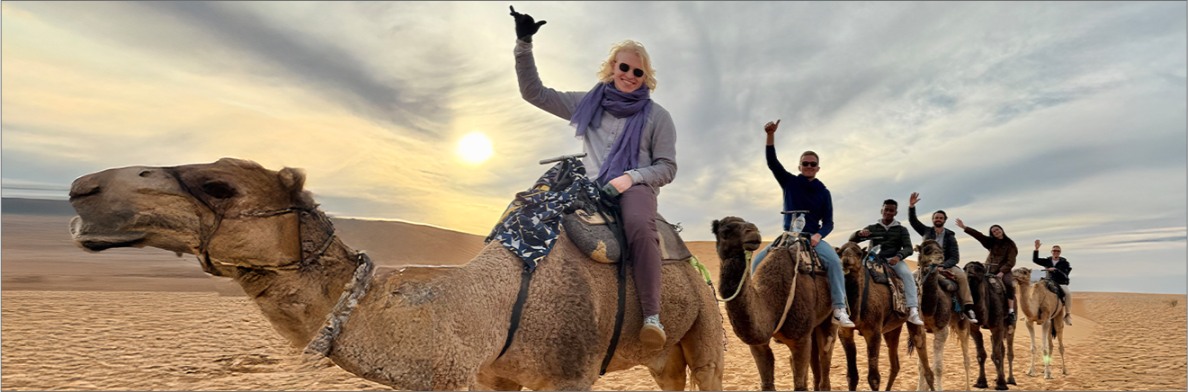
(285, 297)
(751, 321)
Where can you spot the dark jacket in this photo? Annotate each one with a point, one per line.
(1060, 276)
(802, 194)
(948, 240)
(893, 239)
(1002, 252)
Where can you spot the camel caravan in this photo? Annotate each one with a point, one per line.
(556, 310)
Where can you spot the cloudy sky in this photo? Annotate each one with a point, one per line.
(1059, 121)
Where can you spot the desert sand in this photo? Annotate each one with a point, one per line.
(141, 319)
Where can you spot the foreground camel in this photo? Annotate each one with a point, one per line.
(757, 306)
(990, 307)
(875, 321)
(416, 327)
(1042, 307)
(936, 309)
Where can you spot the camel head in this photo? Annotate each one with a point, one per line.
(734, 235)
(930, 253)
(232, 209)
(1022, 276)
(851, 257)
(976, 272)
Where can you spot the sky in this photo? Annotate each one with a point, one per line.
(1060, 121)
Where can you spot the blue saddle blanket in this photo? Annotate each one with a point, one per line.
(530, 225)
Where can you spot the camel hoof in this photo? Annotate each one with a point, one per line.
(981, 384)
(1011, 381)
(1001, 387)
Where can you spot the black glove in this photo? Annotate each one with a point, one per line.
(525, 25)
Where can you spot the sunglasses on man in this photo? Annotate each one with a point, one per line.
(624, 67)
(808, 164)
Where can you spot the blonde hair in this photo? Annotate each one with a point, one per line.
(606, 74)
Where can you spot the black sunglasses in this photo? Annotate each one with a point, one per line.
(808, 164)
(624, 67)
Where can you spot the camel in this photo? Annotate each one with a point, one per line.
(413, 327)
(875, 320)
(761, 303)
(990, 307)
(1042, 307)
(936, 309)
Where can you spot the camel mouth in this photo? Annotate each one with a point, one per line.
(96, 242)
(752, 244)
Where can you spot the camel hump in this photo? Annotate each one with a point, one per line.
(591, 233)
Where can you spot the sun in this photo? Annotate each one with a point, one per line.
(475, 148)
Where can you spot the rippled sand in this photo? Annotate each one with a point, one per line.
(85, 340)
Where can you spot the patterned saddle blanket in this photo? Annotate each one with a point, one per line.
(592, 234)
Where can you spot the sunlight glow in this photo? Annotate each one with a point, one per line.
(475, 148)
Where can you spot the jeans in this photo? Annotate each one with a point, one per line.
(832, 264)
(909, 283)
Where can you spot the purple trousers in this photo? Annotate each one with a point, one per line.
(638, 204)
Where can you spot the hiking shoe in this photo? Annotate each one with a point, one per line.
(652, 334)
(914, 317)
(842, 318)
(1068, 319)
(969, 314)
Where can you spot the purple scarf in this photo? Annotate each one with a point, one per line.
(624, 154)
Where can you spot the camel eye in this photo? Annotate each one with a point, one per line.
(218, 189)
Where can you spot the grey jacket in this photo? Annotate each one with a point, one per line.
(657, 145)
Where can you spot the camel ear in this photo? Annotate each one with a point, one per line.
(714, 227)
(292, 179)
(916, 248)
(837, 249)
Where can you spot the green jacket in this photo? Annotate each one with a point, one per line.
(895, 239)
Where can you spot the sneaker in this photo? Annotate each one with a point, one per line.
(1068, 319)
(842, 318)
(652, 334)
(914, 317)
(1010, 319)
(969, 314)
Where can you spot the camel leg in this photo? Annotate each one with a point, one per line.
(495, 384)
(706, 362)
(981, 351)
(919, 337)
(938, 361)
(1034, 348)
(873, 343)
(1010, 353)
(963, 336)
(1060, 338)
(800, 362)
(997, 355)
(1047, 345)
(892, 339)
(824, 344)
(846, 336)
(765, 362)
(669, 372)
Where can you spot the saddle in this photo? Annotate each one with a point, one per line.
(784, 243)
(947, 281)
(996, 285)
(1053, 287)
(589, 230)
(880, 272)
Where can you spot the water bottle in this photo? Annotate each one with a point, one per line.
(798, 223)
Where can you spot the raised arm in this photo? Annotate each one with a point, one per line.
(1044, 262)
(918, 226)
(560, 104)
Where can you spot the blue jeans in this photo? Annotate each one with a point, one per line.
(832, 264)
(909, 283)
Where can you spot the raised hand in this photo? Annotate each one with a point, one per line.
(525, 25)
(914, 199)
(1037, 244)
(771, 127)
(960, 224)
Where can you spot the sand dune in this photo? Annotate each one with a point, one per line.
(139, 319)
